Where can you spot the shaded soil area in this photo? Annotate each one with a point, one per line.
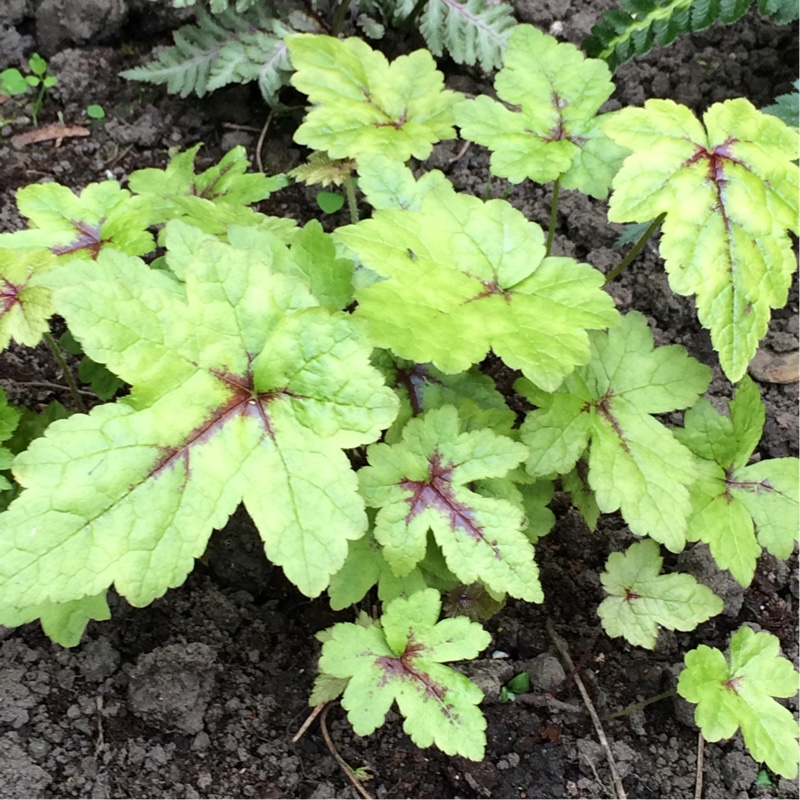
(200, 694)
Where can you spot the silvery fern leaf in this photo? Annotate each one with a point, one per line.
(472, 32)
(228, 48)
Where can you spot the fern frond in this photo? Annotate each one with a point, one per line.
(633, 29)
(472, 31)
(227, 48)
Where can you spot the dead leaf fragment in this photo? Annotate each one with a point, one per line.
(769, 367)
(55, 132)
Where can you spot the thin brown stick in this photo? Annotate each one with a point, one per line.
(47, 385)
(698, 780)
(235, 126)
(261, 137)
(339, 760)
(461, 153)
(307, 724)
(562, 649)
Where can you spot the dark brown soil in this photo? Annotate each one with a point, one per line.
(199, 694)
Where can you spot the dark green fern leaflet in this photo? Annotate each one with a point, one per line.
(633, 29)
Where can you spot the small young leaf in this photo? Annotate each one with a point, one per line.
(421, 484)
(555, 133)
(95, 111)
(464, 276)
(401, 661)
(225, 183)
(64, 623)
(12, 82)
(37, 65)
(25, 305)
(641, 599)
(729, 191)
(363, 104)
(635, 463)
(740, 693)
(330, 202)
(387, 183)
(737, 509)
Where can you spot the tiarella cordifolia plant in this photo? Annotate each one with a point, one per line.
(260, 355)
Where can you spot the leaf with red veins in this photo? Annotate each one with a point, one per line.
(728, 187)
(25, 307)
(400, 661)
(103, 216)
(243, 391)
(421, 484)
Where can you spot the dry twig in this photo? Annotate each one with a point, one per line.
(698, 780)
(562, 649)
(307, 724)
(339, 760)
(260, 142)
(48, 133)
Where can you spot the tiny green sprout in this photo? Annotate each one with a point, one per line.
(40, 78)
(330, 202)
(95, 111)
(519, 684)
(763, 779)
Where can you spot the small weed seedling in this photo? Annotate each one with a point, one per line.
(330, 382)
(13, 82)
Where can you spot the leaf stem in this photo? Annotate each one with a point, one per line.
(411, 19)
(636, 249)
(68, 376)
(551, 231)
(350, 188)
(638, 706)
(339, 17)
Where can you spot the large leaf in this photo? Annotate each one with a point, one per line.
(426, 483)
(464, 276)
(730, 192)
(243, 389)
(635, 463)
(740, 692)
(401, 661)
(554, 131)
(363, 104)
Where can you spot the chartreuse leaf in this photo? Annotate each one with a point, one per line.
(554, 131)
(25, 305)
(366, 567)
(422, 387)
(103, 216)
(635, 463)
(223, 183)
(739, 693)
(401, 660)
(641, 599)
(9, 420)
(729, 191)
(387, 183)
(422, 484)
(63, 623)
(738, 509)
(243, 389)
(463, 276)
(363, 104)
